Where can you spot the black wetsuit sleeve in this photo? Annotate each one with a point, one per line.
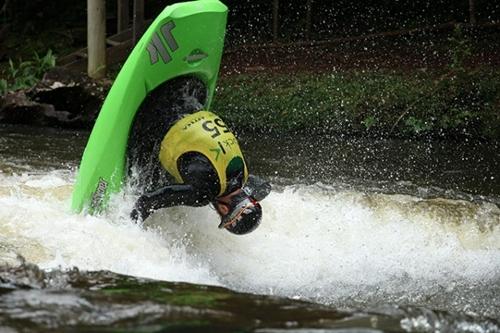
(257, 187)
(200, 187)
(168, 196)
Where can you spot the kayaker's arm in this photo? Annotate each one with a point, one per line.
(168, 196)
(200, 187)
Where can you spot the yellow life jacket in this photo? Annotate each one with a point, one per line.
(205, 133)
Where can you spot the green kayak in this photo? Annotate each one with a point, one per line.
(185, 39)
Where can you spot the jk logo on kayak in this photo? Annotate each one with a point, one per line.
(157, 49)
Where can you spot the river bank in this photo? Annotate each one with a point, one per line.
(365, 103)
(378, 103)
(441, 86)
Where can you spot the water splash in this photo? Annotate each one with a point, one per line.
(349, 246)
(35, 222)
(341, 247)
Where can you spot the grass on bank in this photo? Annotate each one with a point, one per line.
(454, 103)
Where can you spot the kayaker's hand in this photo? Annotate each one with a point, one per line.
(139, 213)
(135, 215)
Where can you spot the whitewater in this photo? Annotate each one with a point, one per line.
(316, 241)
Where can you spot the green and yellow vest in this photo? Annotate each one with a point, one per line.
(205, 133)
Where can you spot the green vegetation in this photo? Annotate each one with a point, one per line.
(453, 103)
(454, 100)
(199, 298)
(26, 74)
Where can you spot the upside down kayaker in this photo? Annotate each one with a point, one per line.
(202, 160)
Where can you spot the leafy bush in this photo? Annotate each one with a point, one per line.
(27, 73)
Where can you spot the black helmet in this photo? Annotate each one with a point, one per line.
(244, 215)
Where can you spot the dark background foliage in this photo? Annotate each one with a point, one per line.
(251, 20)
(438, 81)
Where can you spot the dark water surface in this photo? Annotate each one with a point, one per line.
(391, 164)
(465, 166)
(360, 235)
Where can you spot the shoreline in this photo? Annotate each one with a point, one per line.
(452, 104)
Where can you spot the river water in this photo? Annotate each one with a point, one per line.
(358, 235)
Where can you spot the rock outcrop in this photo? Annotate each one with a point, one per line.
(61, 99)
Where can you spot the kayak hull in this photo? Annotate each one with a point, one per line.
(185, 39)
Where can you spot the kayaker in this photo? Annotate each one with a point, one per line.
(197, 158)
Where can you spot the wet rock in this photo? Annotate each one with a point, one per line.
(35, 300)
(23, 276)
(18, 108)
(61, 99)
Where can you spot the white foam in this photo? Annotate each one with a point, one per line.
(313, 242)
(42, 229)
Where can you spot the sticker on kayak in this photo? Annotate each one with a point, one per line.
(99, 193)
(157, 49)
